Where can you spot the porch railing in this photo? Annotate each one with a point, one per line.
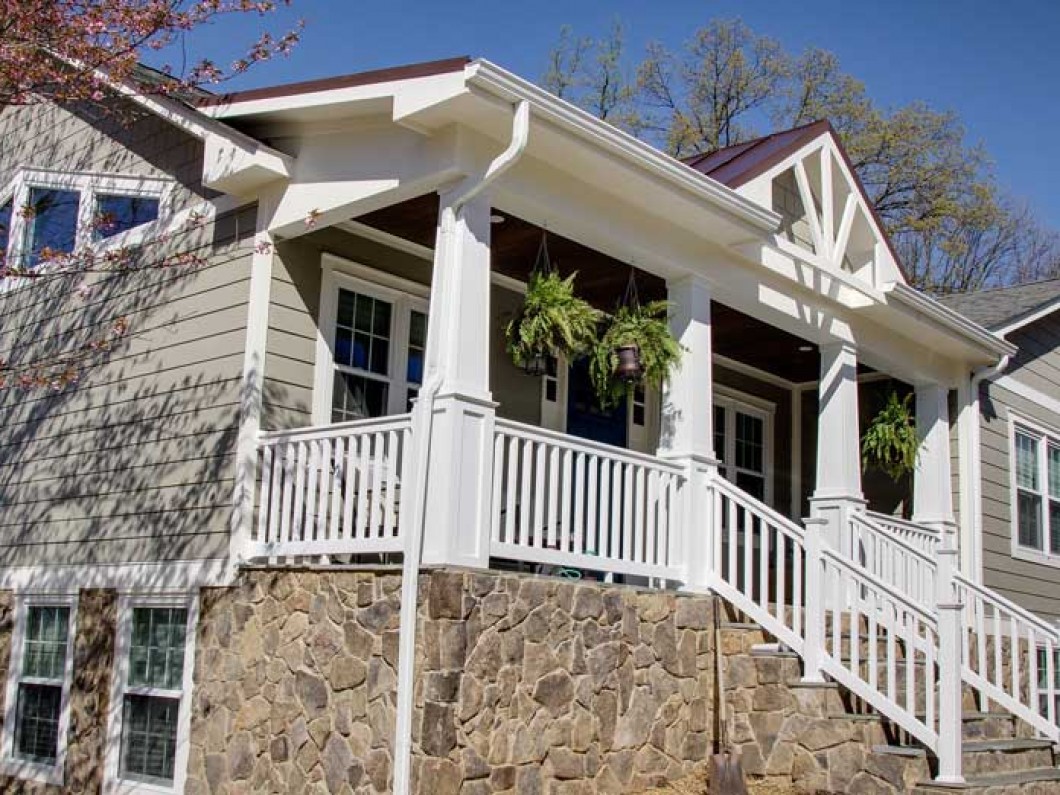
(880, 612)
(563, 501)
(332, 490)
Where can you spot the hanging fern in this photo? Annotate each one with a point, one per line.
(890, 443)
(646, 326)
(553, 321)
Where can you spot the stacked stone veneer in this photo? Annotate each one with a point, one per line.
(543, 685)
(801, 735)
(523, 683)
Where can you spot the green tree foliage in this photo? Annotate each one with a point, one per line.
(953, 228)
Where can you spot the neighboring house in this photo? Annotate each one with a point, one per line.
(201, 535)
(1019, 513)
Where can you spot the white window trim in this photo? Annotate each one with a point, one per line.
(89, 185)
(405, 297)
(733, 400)
(9, 764)
(1045, 434)
(113, 783)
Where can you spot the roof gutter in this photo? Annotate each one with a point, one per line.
(953, 322)
(491, 79)
(423, 420)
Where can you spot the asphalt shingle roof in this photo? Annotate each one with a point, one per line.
(1002, 306)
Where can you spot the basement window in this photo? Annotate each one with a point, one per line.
(37, 713)
(150, 711)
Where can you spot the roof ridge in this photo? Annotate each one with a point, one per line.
(751, 143)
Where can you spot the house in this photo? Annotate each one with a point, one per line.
(286, 517)
(1016, 547)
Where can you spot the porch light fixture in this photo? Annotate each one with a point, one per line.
(497, 218)
(536, 366)
(805, 348)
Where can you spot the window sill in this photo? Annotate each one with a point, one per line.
(32, 771)
(1030, 555)
(127, 787)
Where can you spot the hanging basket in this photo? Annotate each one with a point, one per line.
(553, 321)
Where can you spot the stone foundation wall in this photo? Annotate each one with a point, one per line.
(93, 651)
(523, 683)
(543, 685)
(295, 684)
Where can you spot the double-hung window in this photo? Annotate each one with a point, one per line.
(46, 214)
(150, 707)
(372, 362)
(38, 690)
(1036, 463)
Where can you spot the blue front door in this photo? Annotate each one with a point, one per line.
(585, 418)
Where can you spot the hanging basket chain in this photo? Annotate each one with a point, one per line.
(630, 298)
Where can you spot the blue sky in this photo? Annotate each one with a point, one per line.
(996, 63)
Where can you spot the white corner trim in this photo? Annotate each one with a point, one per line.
(9, 764)
(175, 575)
(112, 783)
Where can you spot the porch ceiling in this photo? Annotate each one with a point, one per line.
(602, 281)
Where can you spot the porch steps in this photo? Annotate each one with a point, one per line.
(1001, 754)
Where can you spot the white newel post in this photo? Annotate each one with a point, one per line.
(813, 640)
(838, 489)
(932, 484)
(687, 428)
(461, 439)
(950, 630)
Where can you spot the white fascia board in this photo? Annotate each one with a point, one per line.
(497, 82)
(1031, 317)
(332, 102)
(938, 314)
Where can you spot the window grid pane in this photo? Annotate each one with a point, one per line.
(116, 214)
(362, 333)
(5, 228)
(156, 650)
(37, 723)
(1054, 470)
(749, 442)
(1027, 461)
(149, 738)
(1029, 519)
(356, 397)
(52, 222)
(44, 648)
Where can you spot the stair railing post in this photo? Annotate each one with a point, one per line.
(949, 662)
(814, 640)
(696, 529)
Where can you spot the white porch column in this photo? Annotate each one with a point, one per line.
(838, 487)
(457, 364)
(932, 484)
(687, 429)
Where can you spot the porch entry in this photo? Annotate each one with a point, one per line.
(585, 419)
